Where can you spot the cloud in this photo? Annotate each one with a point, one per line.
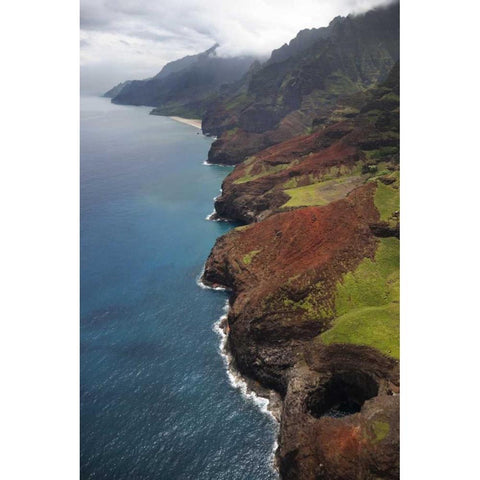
(125, 39)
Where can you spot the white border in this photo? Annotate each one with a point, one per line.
(39, 251)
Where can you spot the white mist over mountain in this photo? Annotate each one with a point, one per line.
(132, 39)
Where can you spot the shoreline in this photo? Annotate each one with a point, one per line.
(193, 122)
(266, 400)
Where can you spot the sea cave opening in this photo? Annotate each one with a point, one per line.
(343, 394)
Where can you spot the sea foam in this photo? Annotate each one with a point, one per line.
(215, 164)
(234, 377)
(207, 287)
(238, 382)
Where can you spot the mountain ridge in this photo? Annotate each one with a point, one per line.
(281, 99)
(183, 87)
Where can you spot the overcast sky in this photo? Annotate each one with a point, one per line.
(132, 39)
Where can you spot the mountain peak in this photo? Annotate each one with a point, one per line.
(212, 50)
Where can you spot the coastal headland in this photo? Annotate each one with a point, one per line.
(314, 276)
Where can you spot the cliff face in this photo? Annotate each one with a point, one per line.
(314, 277)
(183, 87)
(361, 142)
(314, 316)
(302, 81)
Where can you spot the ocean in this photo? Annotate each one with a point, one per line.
(156, 401)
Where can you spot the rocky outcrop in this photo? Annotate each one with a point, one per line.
(292, 248)
(314, 277)
(362, 444)
(340, 409)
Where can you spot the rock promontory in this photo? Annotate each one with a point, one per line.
(314, 281)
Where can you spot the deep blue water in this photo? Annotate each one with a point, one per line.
(156, 402)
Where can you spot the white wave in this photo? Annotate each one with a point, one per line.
(273, 460)
(237, 382)
(234, 377)
(207, 164)
(207, 287)
(212, 217)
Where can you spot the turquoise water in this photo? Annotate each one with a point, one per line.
(156, 402)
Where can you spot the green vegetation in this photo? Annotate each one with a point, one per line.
(369, 169)
(377, 327)
(346, 111)
(380, 430)
(390, 97)
(314, 304)
(341, 114)
(265, 170)
(240, 100)
(230, 133)
(322, 193)
(367, 303)
(179, 109)
(247, 259)
(373, 283)
(340, 84)
(305, 196)
(305, 179)
(333, 173)
(387, 201)
(379, 153)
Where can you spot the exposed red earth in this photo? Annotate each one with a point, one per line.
(314, 276)
(284, 272)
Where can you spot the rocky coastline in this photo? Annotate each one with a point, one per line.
(314, 279)
(339, 402)
(313, 270)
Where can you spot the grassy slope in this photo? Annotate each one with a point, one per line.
(266, 170)
(322, 193)
(367, 303)
(387, 201)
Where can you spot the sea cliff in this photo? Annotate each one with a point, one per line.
(314, 270)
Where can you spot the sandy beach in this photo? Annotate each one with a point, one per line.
(194, 122)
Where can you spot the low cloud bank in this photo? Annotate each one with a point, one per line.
(130, 39)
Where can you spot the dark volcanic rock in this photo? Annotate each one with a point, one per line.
(303, 248)
(340, 413)
(362, 443)
(314, 275)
